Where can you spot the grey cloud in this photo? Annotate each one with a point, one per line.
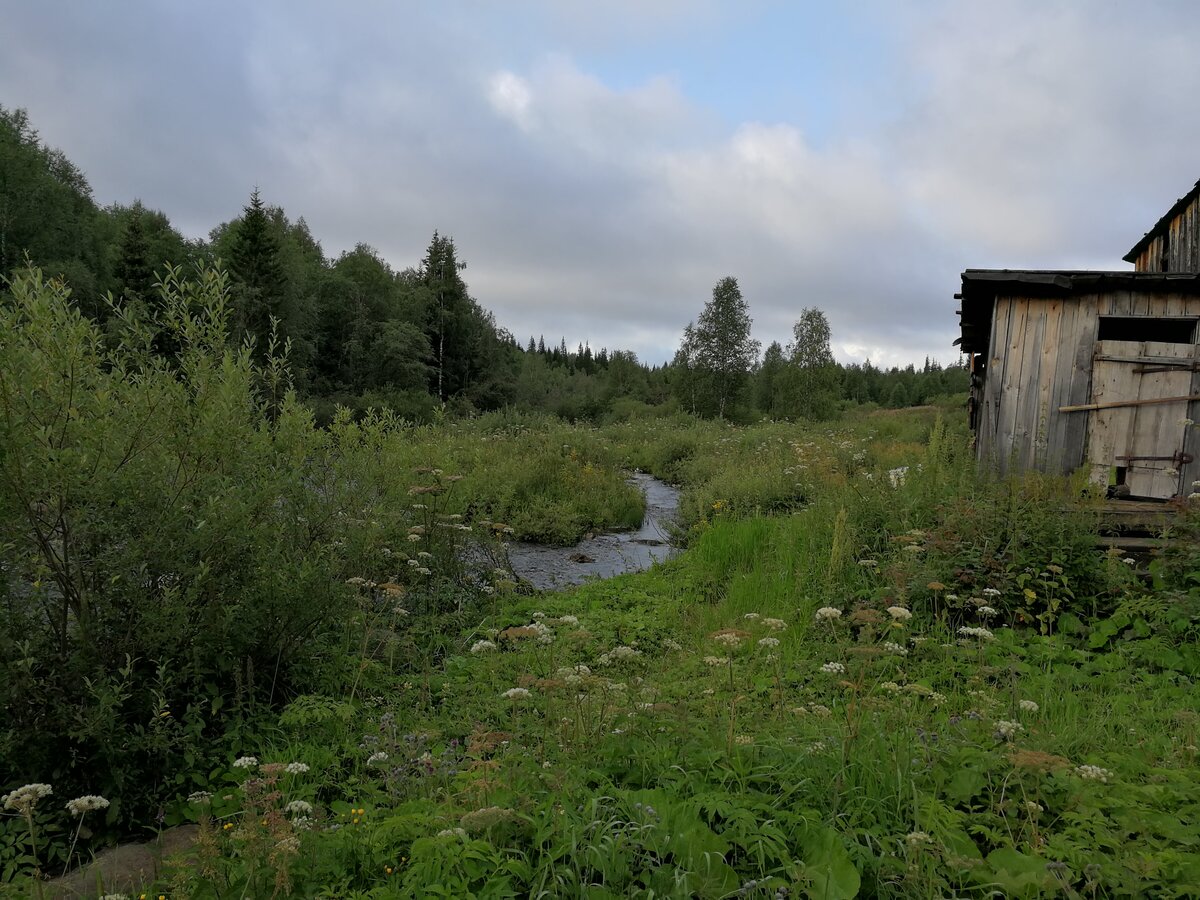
(1014, 134)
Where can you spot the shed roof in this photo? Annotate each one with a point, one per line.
(1162, 223)
(981, 287)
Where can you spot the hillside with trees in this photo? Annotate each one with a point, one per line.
(360, 333)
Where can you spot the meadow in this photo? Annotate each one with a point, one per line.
(872, 671)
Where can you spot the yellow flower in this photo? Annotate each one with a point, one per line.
(387, 869)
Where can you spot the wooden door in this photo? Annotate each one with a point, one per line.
(1141, 443)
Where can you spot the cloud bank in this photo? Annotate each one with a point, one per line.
(594, 171)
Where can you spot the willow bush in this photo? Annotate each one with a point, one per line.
(172, 535)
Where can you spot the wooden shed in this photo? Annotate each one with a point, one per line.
(1095, 369)
(1173, 244)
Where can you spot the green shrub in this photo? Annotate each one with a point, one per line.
(167, 527)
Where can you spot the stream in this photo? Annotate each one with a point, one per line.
(607, 554)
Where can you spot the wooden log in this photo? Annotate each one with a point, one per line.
(1115, 403)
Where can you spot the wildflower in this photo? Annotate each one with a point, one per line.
(517, 693)
(987, 612)
(981, 633)
(833, 668)
(751, 616)
(937, 698)
(538, 616)
(899, 613)
(893, 647)
(114, 897)
(573, 621)
(728, 639)
(377, 757)
(452, 832)
(768, 642)
(671, 644)
(715, 660)
(245, 762)
(890, 686)
(482, 819)
(869, 563)
(1129, 561)
(952, 597)
(199, 798)
(298, 808)
(1028, 706)
(990, 592)
(915, 839)
(86, 804)
(482, 647)
(775, 624)
(743, 739)
(424, 570)
(828, 614)
(818, 709)
(1093, 773)
(413, 538)
(296, 768)
(616, 654)
(1033, 808)
(290, 844)
(1008, 730)
(914, 548)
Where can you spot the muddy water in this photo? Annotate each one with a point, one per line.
(603, 555)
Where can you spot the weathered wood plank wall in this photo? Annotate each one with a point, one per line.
(1177, 248)
(1040, 359)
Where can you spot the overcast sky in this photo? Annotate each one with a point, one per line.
(602, 165)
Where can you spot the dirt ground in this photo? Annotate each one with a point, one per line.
(123, 869)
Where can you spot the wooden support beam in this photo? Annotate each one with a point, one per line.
(1115, 403)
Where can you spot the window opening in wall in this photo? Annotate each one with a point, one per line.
(1147, 328)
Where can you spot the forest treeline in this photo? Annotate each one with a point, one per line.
(363, 334)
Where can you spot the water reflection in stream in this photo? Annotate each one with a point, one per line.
(603, 555)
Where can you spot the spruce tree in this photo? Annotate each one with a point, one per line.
(134, 274)
(256, 272)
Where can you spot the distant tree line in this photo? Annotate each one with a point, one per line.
(362, 334)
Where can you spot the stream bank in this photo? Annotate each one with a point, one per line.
(603, 555)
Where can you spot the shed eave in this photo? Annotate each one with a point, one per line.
(1161, 225)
